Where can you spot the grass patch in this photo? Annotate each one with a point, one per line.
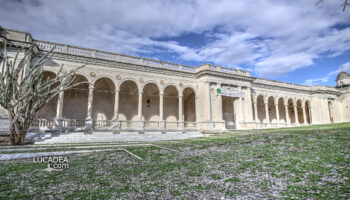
(305, 162)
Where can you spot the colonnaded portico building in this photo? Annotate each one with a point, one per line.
(132, 93)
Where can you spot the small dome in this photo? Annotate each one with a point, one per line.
(343, 75)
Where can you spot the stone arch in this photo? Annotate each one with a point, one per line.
(83, 74)
(152, 82)
(171, 103)
(49, 110)
(104, 76)
(291, 111)
(75, 101)
(189, 86)
(103, 99)
(281, 110)
(300, 111)
(128, 100)
(272, 109)
(308, 111)
(261, 109)
(150, 101)
(128, 79)
(168, 84)
(189, 104)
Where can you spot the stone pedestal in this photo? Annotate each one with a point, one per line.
(88, 126)
(116, 126)
(4, 130)
(58, 124)
(4, 124)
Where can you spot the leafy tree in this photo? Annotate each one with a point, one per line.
(24, 90)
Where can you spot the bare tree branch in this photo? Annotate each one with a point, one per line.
(24, 90)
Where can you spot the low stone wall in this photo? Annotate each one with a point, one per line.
(4, 131)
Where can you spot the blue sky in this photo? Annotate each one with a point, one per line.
(292, 41)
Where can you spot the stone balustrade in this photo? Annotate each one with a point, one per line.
(68, 49)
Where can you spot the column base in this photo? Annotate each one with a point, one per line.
(58, 124)
(88, 125)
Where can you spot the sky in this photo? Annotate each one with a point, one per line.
(292, 41)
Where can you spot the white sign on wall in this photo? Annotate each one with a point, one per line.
(230, 92)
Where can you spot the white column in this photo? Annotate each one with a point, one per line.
(116, 105)
(256, 111)
(287, 114)
(60, 105)
(304, 114)
(267, 112)
(196, 107)
(296, 114)
(90, 101)
(139, 111)
(277, 113)
(180, 108)
(161, 97)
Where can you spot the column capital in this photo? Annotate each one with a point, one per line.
(91, 87)
(117, 90)
(161, 94)
(180, 96)
(140, 92)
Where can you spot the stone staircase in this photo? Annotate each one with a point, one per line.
(105, 137)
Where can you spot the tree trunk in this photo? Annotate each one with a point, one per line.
(17, 136)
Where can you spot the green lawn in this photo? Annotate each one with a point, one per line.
(307, 162)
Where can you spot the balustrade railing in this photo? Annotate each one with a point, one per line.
(62, 48)
(151, 124)
(73, 123)
(128, 124)
(190, 124)
(101, 124)
(171, 124)
(42, 124)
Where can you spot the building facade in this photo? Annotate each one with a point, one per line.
(123, 92)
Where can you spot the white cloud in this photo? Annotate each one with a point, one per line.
(275, 37)
(332, 74)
